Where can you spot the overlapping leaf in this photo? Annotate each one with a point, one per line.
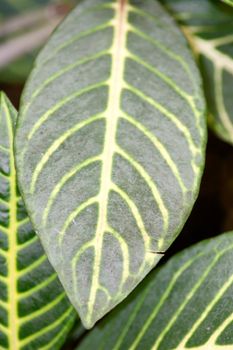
(110, 147)
(34, 310)
(209, 27)
(187, 304)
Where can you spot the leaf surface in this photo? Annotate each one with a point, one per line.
(35, 312)
(110, 145)
(210, 33)
(186, 304)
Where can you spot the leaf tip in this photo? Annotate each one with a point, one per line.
(87, 322)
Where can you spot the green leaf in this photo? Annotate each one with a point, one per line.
(210, 32)
(109, 146)
(75, 336)
(185, 304)
(34, 310)
(229, 2)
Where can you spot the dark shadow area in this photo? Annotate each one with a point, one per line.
(213, 211)
(13, 92)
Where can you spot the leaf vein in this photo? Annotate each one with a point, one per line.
(159, 147)
(57, 188)
(180, 126)
(158, 199)
(73, 215)
(56, 144)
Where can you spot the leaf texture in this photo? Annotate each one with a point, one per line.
(210, 33)
(34, 310)
(110, 144)
(186, 304)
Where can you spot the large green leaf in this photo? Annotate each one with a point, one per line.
(110, 147)
(34, 310)
(186, 304)
(209, 27)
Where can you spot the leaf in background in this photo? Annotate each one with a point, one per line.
(24, 27)
(34, 310)
(209, 27)
(9, 8)
(110, 146)
(229, 2)
(186, 304)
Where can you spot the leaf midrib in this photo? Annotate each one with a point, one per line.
(112, 115)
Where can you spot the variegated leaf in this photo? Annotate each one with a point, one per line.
(210, 33)
(110, 144)
(34, 310)
(186, 304)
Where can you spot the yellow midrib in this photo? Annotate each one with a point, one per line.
(112, 115)
(12, 257)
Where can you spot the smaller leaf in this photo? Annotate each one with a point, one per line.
(210, 33)
(34, 310)
(186, 304)
(229, 2)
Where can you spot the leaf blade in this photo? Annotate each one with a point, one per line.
(210, 35)
(24, 303)
(111, 175)
(185, 304)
